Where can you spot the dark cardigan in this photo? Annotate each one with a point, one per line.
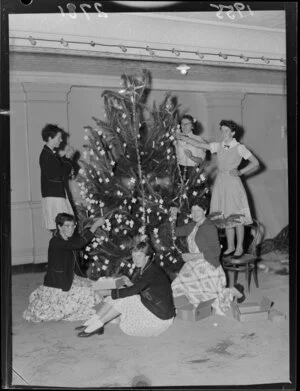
(206, 238)
(54, 174)
(155, 290)
(61, 259)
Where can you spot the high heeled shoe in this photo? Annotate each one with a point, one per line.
(241, 289)
(238, 256)
(98, 331)
(228, 254)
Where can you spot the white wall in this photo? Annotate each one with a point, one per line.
(264, 119)
(71, 106)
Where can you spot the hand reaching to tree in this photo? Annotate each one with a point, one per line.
(173, 212)
(97, 223)
(67, 152)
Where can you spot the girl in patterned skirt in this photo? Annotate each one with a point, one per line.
(202, 277)
(229, 196)
(64, 296)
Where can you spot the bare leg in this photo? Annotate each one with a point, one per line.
(230, 240)
(103, 310)
(240, 232)
(105, 314)
(111, 314)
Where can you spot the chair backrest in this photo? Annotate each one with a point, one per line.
(258, 231)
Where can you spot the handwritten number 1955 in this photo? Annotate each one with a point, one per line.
(239, 7)
(72, 10)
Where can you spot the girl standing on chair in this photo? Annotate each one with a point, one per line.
(229, 196)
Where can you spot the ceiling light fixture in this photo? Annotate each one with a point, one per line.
(265, 60)
(151, 52)
(123, 48)
(223, 56)
(32, 40)
(200, 55)
(64, 43)
(183, 69)
(244, 57)
(176, 52)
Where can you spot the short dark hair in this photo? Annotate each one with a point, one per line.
(61, 218)
(143, 245)
(203, 202)
(51, 131)
(189, 117)
(230, 124)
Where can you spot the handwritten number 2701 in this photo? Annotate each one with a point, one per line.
(239, 7)
(72, 10)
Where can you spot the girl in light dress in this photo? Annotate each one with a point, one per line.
(228, 195)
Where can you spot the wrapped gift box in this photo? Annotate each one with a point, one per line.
(180, 301)
(276, 316)
(104, 283)
(252, 311)
(193, 314)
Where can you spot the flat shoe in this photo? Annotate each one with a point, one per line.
(98, 331)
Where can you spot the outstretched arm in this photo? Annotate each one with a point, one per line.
(195, 159)
(78, 242)
(192, 141)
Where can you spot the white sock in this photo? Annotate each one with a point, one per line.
(91, 320)
(94, 326)
(237, 293)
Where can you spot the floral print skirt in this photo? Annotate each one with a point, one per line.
(48, 304)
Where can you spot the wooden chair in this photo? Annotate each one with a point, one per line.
(248, 262)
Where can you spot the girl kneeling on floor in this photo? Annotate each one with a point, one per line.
(64, 295)
(145, 308)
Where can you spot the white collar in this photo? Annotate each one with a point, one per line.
(231, 144)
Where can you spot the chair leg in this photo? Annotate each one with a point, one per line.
(248, 277)
(255, 276)
(235, 278)
(227, 275)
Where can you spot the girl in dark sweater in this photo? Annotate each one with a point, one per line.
(145, 308)
(202, 277)
(64, 295)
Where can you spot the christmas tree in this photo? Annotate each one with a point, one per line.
(131, 176)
